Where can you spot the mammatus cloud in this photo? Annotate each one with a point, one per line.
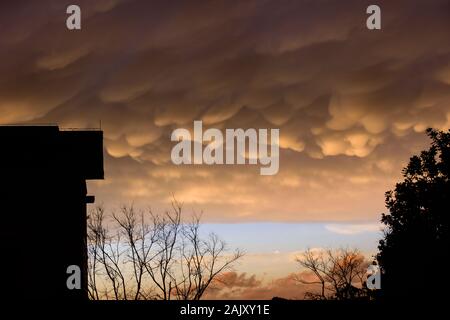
(351, 104)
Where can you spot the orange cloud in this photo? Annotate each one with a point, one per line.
(242, 286)
(351, 105)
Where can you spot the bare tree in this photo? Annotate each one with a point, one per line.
(201, 261)
(150, 256)
(139, 241)
(105, 258)
(340, 274)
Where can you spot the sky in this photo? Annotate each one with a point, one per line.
(351, 105)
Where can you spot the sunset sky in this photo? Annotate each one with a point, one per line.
(351, 105)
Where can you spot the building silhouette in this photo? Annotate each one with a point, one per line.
(43, 208)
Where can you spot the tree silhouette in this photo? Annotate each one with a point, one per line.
(415, 248)
(340, 274)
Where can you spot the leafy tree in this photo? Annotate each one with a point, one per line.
(414, 252)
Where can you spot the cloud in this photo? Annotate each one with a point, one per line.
(233, 279)
(353, 228)
(351, 104)
(234, 285)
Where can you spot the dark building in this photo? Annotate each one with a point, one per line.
(43, 208)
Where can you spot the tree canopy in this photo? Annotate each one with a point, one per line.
(415, 247)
